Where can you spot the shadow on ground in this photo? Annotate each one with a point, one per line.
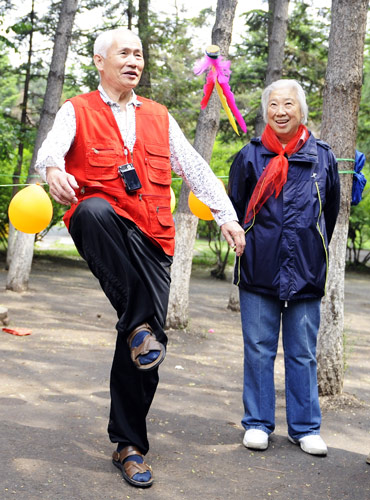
(54, 402)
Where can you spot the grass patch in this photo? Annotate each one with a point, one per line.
(358, 268)
(65, 251)
(203, 255)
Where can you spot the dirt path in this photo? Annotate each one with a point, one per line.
(54, 403)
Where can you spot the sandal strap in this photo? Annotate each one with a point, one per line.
(144, 326)
(148, 344)
(128, 451)
(130, 466)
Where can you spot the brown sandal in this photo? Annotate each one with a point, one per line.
(130, 468)
(150, 343)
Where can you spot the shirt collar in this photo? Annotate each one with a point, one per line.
(134, 100)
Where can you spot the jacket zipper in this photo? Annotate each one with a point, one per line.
(239, 258)
(322, 237)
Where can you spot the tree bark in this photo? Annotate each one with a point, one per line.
(341, 100)
(234, 304)
(21, 262)
(278, 26)
(186, 223)
(12, 235)
(130, 14)
(144, 33)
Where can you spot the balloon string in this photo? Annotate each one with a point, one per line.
(19, 176)
(173, 179)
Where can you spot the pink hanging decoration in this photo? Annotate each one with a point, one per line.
(218, 71)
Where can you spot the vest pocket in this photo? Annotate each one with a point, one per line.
(160, 216)
(158, 164)
(101, 164)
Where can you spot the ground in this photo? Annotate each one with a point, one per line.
(54, 402)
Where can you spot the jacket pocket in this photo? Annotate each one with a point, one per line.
(157, 159)
(102, 163)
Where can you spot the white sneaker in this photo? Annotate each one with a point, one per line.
(256, 439)
(312, 444)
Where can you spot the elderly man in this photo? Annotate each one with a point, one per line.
(285, 188)
(110, 155)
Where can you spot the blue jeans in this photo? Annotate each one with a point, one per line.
(261, 315)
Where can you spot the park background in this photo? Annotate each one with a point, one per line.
(178, 36)
(175, 38)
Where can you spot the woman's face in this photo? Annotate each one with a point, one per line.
(284, 113)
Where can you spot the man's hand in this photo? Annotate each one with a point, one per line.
(235, 236)
(61, 185)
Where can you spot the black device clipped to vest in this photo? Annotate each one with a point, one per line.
(130, 177)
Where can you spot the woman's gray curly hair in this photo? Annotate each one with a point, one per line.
(301, 96)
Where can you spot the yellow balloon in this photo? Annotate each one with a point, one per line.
(30, 210)
(198, 208)
(173, 200)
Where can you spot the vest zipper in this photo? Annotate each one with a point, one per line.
(158, 207)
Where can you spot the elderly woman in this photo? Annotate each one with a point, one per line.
(282, 273)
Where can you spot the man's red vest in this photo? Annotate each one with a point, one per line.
(97, 152)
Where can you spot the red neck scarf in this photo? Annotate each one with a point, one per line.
(275, 174)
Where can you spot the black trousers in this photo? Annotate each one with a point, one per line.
(135, 276)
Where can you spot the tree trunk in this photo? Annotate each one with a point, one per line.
(234, 304)
(12, 235)
(130, 14)
(277, 30)
(20, 265)
(186, 222)
(12, 238)
(278, 26)
(341, 100)
(144, 33)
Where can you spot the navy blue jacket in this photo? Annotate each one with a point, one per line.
(286, 253)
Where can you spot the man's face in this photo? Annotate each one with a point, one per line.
(284, 113)
(123, 65)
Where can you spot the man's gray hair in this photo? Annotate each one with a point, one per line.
(105, 40)
(285, 83)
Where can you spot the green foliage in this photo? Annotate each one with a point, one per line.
(5, 193)
(359, 222)
(306, 54)
(172, 56)
(60, 251)
(305, 60)
(205, 257)
(172, 62)
(222, 157)
(220, 249)
(9, 96)
(363, 136)
(359, 227)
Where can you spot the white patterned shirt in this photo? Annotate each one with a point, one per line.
(185, 161)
